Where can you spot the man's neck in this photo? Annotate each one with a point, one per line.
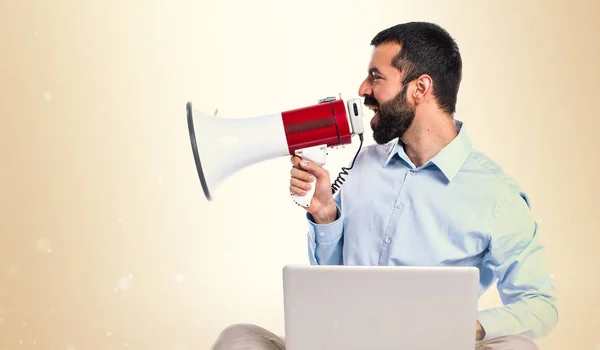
(427, 137)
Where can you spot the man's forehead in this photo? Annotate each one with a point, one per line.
(381, 57)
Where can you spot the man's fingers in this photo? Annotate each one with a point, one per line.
(300, 184)
(300, 163)
(307, 168)
(314, 168)
(295, 160)
(297, 191)
(301, 175)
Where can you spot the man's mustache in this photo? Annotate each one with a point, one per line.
(371, 101)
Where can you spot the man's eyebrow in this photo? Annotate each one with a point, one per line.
(374, 70)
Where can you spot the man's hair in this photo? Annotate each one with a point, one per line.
(427, 48)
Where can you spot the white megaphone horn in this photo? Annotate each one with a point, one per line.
(223, 146)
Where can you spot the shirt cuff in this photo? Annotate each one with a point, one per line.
(490, 323)
(326, 233)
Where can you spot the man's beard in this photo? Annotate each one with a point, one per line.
(395, 117)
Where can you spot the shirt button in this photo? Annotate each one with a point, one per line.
(399, 205)
(321, 234)
(412, 172)
(387, 241)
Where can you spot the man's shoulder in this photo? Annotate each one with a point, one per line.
(504, 183)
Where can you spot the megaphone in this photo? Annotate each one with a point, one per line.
(223, 146)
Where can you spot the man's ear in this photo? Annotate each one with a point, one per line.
(423, 88)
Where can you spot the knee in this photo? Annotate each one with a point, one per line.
(512, 342)
(235, 333)
(521, 342)
(527, 344)
(243, 336)
(238, 329)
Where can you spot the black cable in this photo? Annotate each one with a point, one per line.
(340, 179)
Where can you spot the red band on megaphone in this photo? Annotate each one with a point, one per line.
(324, 123)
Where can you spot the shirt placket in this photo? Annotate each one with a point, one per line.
(398, 210)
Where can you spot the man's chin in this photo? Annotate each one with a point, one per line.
(381, 138)
(383, 135)
(379, 133)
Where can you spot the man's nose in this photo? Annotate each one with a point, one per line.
(365, 89)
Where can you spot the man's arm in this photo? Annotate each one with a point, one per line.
(325, 238)
(526, 289)
(325, 217)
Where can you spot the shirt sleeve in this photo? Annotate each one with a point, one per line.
(516, 258)
(325, 241)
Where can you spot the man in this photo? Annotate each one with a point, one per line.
(424, 196)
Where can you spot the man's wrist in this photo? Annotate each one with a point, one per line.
(326, 216)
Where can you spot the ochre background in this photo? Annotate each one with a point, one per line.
(107, 241)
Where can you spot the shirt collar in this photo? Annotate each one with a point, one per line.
(449, 160)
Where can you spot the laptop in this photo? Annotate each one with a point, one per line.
(332, 307)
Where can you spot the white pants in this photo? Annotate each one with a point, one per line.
(245, 336)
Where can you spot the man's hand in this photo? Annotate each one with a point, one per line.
(322, 206)
(480, 332)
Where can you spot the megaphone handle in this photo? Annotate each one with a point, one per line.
(317, 154)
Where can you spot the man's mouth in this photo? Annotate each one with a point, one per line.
(375, 109)
(375, 118)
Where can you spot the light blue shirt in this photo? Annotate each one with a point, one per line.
(459, 208)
